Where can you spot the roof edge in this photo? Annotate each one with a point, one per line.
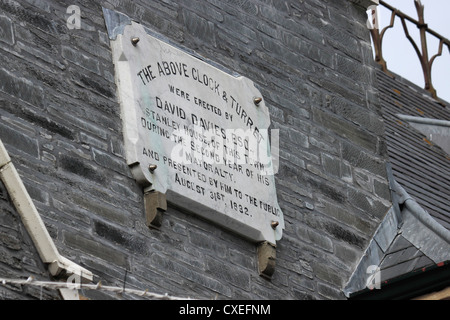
(58, 265)
(433, 239)
(410, 285)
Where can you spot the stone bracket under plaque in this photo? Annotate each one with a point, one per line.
(155, 206)
(267, 256)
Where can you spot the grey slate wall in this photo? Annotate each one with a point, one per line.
(311, 60)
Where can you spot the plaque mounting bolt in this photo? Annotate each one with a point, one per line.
(275, 224)
(152, 168)
(135, 41)
(257, 101)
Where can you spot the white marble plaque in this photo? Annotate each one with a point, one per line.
(194, 132)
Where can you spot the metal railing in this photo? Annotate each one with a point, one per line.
(422, 50)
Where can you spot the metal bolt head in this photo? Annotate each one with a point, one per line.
(257, 101)
(135, 41)
(275, 224)
(152, 168)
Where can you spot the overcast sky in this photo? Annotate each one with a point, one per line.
(399, 53)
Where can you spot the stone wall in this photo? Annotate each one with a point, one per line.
(60, 121)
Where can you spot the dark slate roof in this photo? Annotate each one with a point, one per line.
(407, 273)
(421, 168)
(402, 258)
(403, 247)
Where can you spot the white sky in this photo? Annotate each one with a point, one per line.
(399, 53)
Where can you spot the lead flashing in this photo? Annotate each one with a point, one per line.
(427, 121)
(58, 265)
